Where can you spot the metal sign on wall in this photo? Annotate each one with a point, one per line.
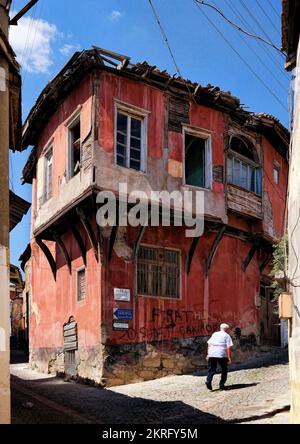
(123, 313)
(122, 294)
(120, 325)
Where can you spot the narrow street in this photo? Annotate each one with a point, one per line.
(258, 392)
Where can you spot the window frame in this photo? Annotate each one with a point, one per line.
(132, 111)
(71, 123)
(47, 192)
(179, 298)
(276, 167)
(249, 163)
(207, 137)
(78, 270)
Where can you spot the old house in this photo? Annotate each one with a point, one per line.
(120, 304)
(16, 308)
(290, 44)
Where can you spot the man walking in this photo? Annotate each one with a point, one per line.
(219, 352)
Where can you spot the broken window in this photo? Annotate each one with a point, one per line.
(130, 141)
(197, 162)
(81, 285)
(75, 148)
(158, 272)
(47, 192)
(242, 168)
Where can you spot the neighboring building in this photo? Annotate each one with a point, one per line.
(291, 36)
(115, 305)
(25, 260)
(16, 308)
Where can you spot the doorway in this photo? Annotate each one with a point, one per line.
(269, 319)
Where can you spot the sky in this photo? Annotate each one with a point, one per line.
(207, 50)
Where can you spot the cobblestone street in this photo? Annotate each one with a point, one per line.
(258, 392)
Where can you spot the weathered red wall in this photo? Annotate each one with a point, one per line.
(277, 192)
(54, 302)
(227, 295)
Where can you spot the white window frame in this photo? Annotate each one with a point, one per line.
(207, 137)
(47, 151)
(249, 163)
(78, 270)
(132, 111)
(72, 121)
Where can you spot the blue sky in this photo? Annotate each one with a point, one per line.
(54, 29)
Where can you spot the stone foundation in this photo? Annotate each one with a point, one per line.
(112, 365)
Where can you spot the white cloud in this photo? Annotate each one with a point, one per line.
(68, 49)
(32, 42)
(115, 16)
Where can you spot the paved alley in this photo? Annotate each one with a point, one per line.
(258, 392)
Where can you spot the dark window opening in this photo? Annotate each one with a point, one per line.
(158, 272)
(75, 149)
(195, 162)
(241, 147)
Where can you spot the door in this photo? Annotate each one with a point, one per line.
(70, 347)
(269, 319)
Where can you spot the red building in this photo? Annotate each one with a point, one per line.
(120, 304)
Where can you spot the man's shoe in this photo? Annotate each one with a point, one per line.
(222, 387)
(208, 385)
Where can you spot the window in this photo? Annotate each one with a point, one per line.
(276, 172)
(47, 192)
(158, 272)
(197, 161)
(242, 170)
(130, 140)
(74, 148)
(81, 285)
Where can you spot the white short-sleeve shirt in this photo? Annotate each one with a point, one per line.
(219, 342)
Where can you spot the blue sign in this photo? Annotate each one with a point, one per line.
(123, 313)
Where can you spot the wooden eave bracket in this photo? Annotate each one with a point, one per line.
(77, 237)
(251, 254)
(63, 249)
(89, 231)
(214, 248)
(190, 254)
(48, 255)
(111, 242)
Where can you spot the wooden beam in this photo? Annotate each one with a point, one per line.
(190, 255)
(138, 241)
(214, 248)
(78, 238)
(89, 231)
(250, 255)
(265, 262)
(63, 249)
(48, 255)
(111, 242)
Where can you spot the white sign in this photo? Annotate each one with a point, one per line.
(120, 325)
(122, 294)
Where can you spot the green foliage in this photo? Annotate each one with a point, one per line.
(278, 272)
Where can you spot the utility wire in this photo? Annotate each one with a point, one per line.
(258, 24)
(272, 6)
(241, 57)
(268, 17)
(266, 50)
(255, 36)
(284, 88)
(165, 37)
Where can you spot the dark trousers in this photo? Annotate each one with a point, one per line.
(212, 368)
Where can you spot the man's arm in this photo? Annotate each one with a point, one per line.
(229, 354)
(208, 347)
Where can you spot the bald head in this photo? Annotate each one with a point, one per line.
(224, 327)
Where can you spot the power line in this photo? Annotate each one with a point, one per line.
(272, 6)
(165, 37)
(256, 21)
(284, 88)
(240, 56)
(268, 17)
(263, 47)
(268, 42)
